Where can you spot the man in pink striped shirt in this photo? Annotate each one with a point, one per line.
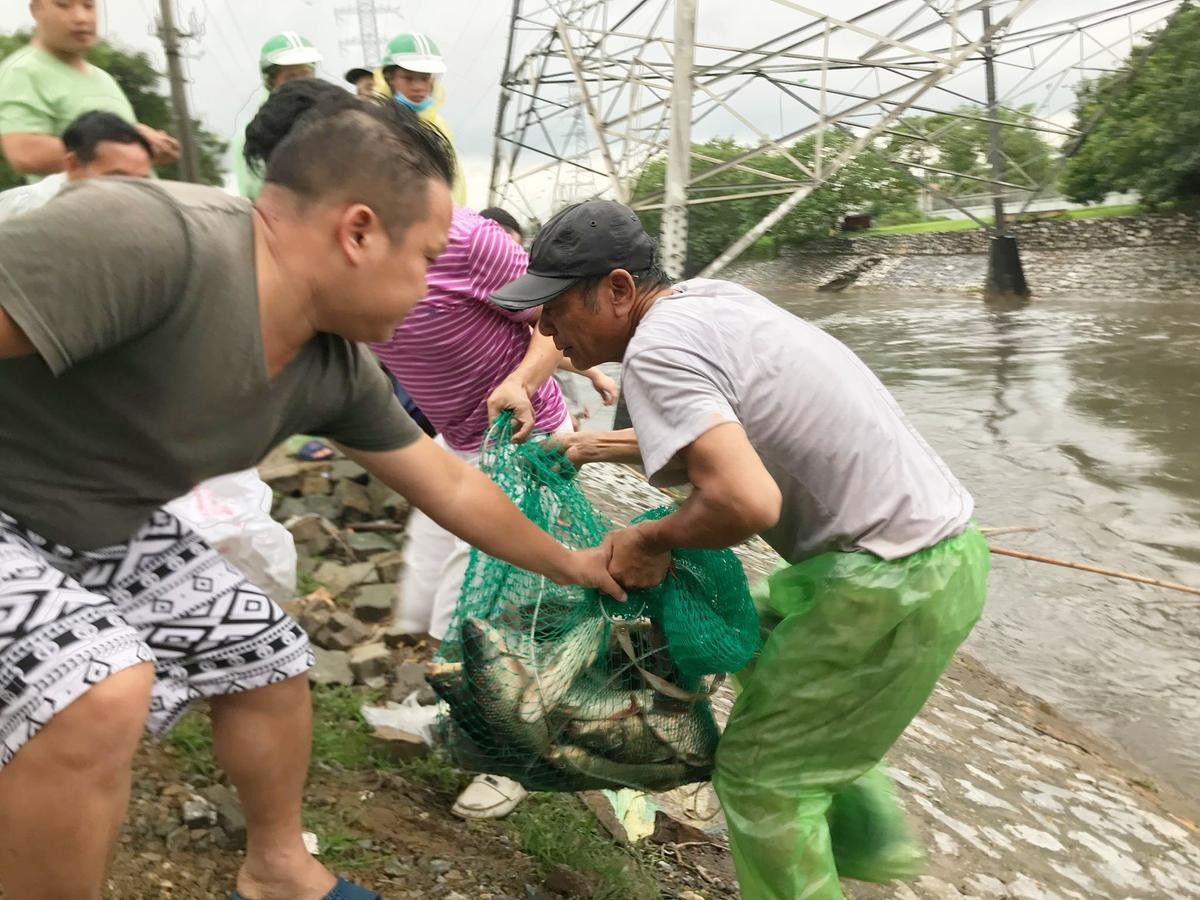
(457, 355)
(456, 348)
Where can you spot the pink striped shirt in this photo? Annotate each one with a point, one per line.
(455, 347)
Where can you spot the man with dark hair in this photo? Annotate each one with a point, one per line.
(601, 383)
(505, 220)
(49, 82)
(212, 330)
(97, 143)
(782, 432)
(363, 80)
(100, 143)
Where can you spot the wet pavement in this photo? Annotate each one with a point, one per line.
(1010, 799)
(1079, 416)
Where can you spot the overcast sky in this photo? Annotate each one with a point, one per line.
(222, 59)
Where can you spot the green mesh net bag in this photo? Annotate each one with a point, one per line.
(561, 688)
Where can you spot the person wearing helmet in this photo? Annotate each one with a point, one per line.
(411, 64)
(284, 57)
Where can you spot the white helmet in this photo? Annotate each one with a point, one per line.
(414, 51)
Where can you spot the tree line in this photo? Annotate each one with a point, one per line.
(1140, 133)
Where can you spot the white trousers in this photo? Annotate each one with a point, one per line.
(435, 563)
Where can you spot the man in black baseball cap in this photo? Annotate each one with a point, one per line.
(583, 241)
(782, 432)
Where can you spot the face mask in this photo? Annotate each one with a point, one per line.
(415, 107)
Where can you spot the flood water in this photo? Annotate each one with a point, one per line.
(1080, 416)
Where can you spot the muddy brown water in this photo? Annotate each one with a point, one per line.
(1081, 416)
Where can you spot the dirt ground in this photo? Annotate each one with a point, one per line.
(1010, 799)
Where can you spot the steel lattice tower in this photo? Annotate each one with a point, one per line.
(649, 77)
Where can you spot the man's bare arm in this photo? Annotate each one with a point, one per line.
(601, 446)
(13, 342)
(735, 498)
(467, 503)
(34, 154)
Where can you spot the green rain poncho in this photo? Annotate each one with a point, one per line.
(855, 648)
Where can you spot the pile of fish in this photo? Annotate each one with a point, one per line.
(593, 707)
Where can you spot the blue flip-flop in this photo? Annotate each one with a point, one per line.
(343, 890)
(315, 451)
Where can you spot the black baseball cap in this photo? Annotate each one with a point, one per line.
(353, 75)
(583, 241)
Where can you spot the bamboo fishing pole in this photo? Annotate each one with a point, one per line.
(1095, 570)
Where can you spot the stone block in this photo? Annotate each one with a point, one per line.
(314, 617)
(346, 470)
(366, 544)
(288, 507)
(339, 578)
(389, 565)
(356, 504)
(343, 632)
(370, 661)
(386, 503)
(198, 813)
(410, 677)
(314, 536)
(373, 602)
(229, 814)
(315, 483)
(401, 745)
(286, 476)
(322, 505)
(331, 667)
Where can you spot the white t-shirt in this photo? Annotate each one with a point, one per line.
(853, 472)
(18, 200)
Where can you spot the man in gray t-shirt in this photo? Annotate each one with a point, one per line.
(783, 432)
(153, 335)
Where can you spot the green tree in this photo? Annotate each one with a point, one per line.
(868, 183)
(957, 141)
(1147, 136)
(138, 79)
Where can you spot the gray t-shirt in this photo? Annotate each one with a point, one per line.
(141, 300)
(853, 472)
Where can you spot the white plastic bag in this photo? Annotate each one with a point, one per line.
(233, 514)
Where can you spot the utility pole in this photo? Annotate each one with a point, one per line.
(1005, 278)
(189, 169)
(679, 146)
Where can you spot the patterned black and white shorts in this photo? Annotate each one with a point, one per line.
(69, 619)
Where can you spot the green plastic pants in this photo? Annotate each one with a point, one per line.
(856, 646)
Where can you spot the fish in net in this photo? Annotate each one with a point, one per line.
(562, 688)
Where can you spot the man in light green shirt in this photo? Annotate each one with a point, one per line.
(284, 57)
(49, 83)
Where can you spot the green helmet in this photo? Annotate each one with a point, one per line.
(414, 51)
(287, 49)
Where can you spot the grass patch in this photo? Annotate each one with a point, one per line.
(937, 225)
(341, 737)
(305, 584)
(943, 225)
(341, 848)
(555, 829)
(191, 739)
(1101, 212)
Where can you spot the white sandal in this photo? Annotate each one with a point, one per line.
(489, 797)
